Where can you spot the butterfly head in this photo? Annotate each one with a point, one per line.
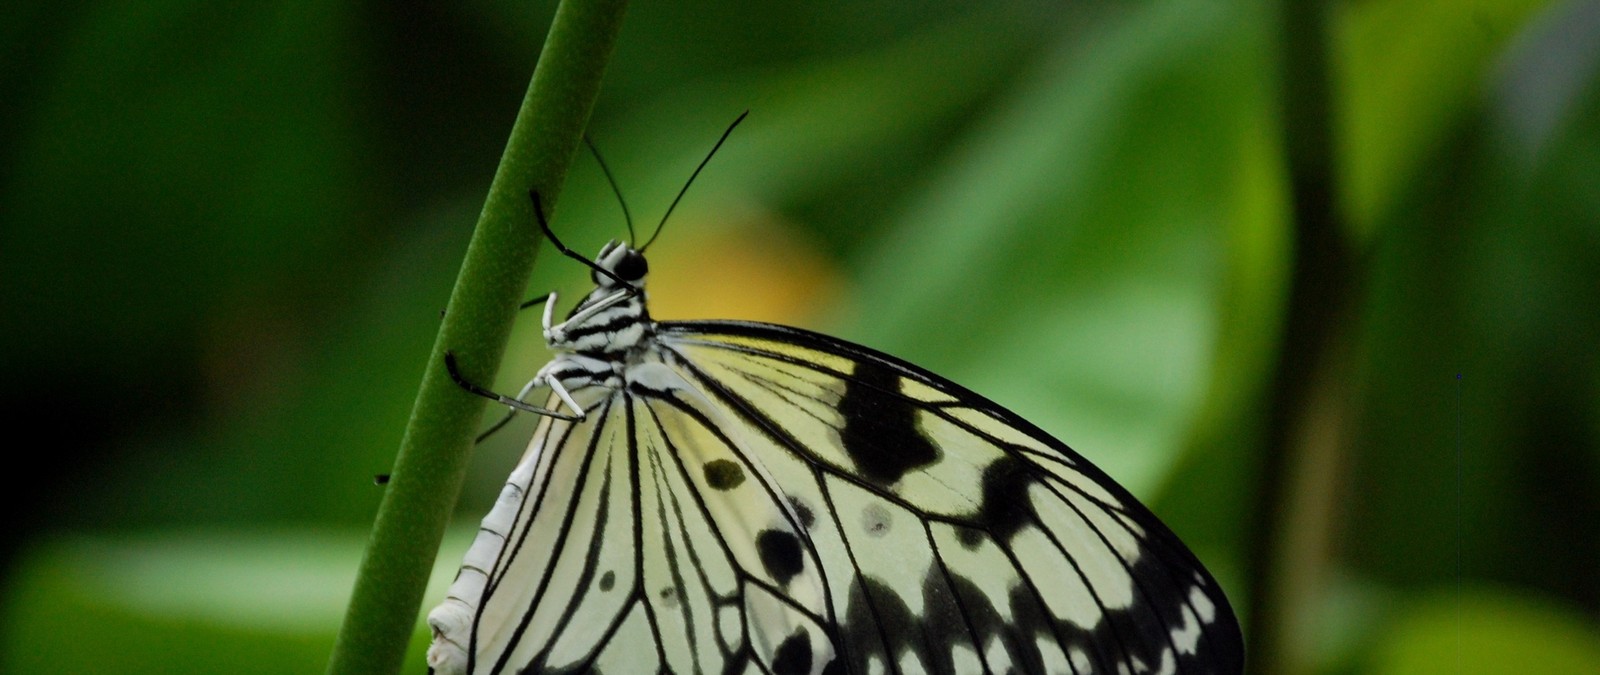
(622, 260)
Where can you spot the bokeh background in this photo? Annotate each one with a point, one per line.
(226, 233)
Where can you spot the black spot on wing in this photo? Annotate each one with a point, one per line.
(877, 615)
(876, 520)
(737, 664)
(722, 474)
(608, 580)
(1018, 637)
(944, 627)
(880, 429)
(780, 554)
(1121, 639)
(874, 615)
(957, 613)
(808, 518)
(1005, 507)
(794, 655)
(1147, 628)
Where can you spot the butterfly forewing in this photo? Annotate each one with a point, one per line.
(999, 539)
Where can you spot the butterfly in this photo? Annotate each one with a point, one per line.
(737, 497)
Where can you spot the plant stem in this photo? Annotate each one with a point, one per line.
(1305, 448)
(432, 461)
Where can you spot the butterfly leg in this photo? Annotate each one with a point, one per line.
(558, 333)
(549, 309)
(511, 413)
(560, 391)
(514, 403)
(546, 300)
(549, 301)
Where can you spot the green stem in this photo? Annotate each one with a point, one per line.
(432, 462)
(1308, 414)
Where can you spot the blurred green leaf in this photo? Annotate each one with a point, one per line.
(1412, 71)
(827, 138)
(1479, 384)
(193, 601)
(1484, 632)
(1049, 274)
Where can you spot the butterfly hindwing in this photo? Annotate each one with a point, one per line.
(575, 500)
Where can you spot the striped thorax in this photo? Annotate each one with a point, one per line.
(604, 332)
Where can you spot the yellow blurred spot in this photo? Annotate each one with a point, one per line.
(750, 266)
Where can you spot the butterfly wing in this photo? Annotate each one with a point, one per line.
(623, 544)
(566, 503)
(760, 499)
(951, 535)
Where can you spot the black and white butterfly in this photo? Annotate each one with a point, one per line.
(733, 497)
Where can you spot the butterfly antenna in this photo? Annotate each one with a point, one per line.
(544, 225)
(626, 217)
(692, 176)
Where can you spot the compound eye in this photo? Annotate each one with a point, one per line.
(632, 267)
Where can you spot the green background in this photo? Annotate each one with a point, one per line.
(226, 234)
